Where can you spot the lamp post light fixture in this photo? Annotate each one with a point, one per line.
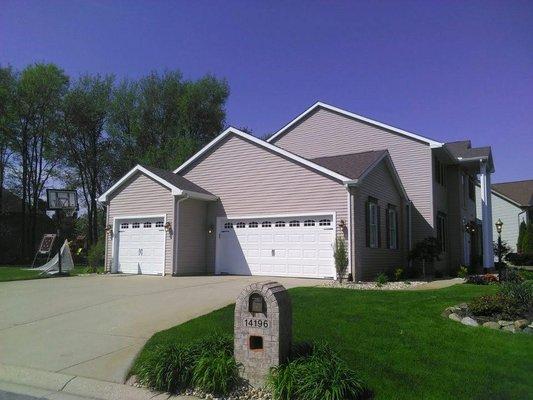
(499, 226)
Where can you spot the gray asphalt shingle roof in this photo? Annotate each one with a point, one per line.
(520, 191)
(176, 180)
(351, 165)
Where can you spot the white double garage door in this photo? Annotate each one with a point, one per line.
(299, 246)
(139, 245)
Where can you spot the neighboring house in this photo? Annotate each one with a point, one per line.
(245, 206)
(512, 202)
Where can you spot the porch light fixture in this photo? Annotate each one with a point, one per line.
(342, 224)
(499, 225)
(168, 226)
(108, 229)
(210, 229)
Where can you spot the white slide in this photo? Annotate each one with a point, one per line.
(52, 266)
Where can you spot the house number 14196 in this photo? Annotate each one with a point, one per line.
(256, 323)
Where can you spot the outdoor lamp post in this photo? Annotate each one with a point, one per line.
(499, 225)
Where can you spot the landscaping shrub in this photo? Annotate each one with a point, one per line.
(207, 363)
(487, 305)
(512, 300)
(482, 279)
(216, 372)
(520, 259)
(95, 255)
(382, 279)
(318, 376)
(168, 368)
(463, 272)
(398, 273)
(510, 275)
(340, 254)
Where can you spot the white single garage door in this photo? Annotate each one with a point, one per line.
(140, 245)
(300, 246)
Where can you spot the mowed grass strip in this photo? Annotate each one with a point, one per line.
(9, 273)
(399, 342)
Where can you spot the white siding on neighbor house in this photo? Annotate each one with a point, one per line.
(192, 236)
(507, 212)
(372, 261)
(252, 181)
(139, 196)
(326, 133)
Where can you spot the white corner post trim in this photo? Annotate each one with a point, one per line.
(175, 257)
(486, 215)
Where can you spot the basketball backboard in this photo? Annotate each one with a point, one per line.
(62, 199)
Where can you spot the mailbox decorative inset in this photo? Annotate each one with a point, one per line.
(263, 329)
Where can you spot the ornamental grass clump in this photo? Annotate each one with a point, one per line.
(321, 375)
(206, 364)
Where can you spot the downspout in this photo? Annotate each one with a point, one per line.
(350, 237)
(176, 231)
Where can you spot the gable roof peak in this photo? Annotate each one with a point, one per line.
(319, 104)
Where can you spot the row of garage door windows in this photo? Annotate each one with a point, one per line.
(126, 225)
(278, 224)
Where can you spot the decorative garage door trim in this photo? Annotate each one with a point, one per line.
(232, 227)
(116, 227)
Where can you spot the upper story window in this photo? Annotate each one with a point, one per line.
(440, 172)
(392, 227)
(372, 223)
(280, 224)
(324, 222)
(228, 225)
(240, 225)
(266, 224)
(147, 225)
(136, 225)
(253, 225)
(442, 230)
(309, 222)
(294, 223)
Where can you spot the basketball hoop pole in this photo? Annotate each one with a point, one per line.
(58, 214)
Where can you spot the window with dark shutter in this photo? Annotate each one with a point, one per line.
(372, 216)
(392, 227)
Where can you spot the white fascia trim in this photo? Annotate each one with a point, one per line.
(289, 215)
(264, 144)
(199, 196)
(175, 190)
(432, 143)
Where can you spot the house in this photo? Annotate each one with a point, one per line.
(512, 203)
(242, 205)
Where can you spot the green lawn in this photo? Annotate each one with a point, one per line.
(20, 273)
(399, 342)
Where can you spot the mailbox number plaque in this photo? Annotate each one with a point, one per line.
(256, 323)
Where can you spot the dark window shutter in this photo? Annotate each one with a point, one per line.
(379, 225)
(387, 227)
(367, 223)
(397, 231)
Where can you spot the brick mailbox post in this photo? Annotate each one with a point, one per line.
(263, 329)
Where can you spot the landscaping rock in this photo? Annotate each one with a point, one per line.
(520, 324)
(469, 321)
(505, 323)
(509, 328)
(454, 317)
(491, 325)
(528, 330)
(463, 306)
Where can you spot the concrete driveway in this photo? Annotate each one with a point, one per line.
(94, 326)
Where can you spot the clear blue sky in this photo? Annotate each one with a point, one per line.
(449, 70)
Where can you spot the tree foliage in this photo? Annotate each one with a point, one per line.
(427, 251)
(522, 232)
(340, 254)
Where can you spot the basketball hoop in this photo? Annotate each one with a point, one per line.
(69, 211)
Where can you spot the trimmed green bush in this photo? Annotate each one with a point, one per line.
(320, 375)
(340, 254)
(521, 234)
(382, 279)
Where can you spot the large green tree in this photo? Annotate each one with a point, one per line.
(7, 122)
(38, 98)
(85, 142)
(162, 119)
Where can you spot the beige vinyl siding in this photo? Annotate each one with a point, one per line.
(510, 214)
(191, 259)
(250, 180)
(138, 196)
(371, 261)
(326, 133)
